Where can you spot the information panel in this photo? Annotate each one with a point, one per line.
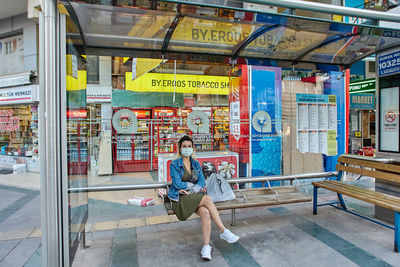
(316, 124)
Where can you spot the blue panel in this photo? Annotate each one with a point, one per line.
(335, 85)
(266, 144)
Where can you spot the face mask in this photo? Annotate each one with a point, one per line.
(187, 151)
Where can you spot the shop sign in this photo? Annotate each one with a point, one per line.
(179, 83)
(18, 95)
(8, 122)
(362, 101)
(389, 63)
(77, 114)
(98, 94)
(363, 86)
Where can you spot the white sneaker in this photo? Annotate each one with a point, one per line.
(228, 236)
(206, 252)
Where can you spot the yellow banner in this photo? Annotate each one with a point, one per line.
(77, 84)
(141, 66)
(190, 84)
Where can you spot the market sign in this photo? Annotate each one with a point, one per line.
(362, 101)
(389, 63)
(179, 83)
(363, 86)
(19, 95)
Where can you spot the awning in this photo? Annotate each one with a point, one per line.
(276, 39)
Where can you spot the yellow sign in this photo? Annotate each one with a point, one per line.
(76, 84)
(189, 84)
(332, 143)
(358, 134)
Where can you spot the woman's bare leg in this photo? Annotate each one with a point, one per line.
(205, 224)
(209, 204)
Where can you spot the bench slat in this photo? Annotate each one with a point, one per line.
(366, 192)
(347, 190)
(376, 174)
(257, 200)
(370, 164)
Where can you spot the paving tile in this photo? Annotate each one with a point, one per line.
(15, 234)
(22, 252)
(158, 220)
(132, 223)
(105, 226)
(36, 233)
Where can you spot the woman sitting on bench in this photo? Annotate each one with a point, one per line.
(187, 197)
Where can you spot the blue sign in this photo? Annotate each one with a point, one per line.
(389, 63)
(362, 101)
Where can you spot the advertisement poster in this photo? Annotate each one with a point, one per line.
(319, 113)
(389, 119)
(265, 129)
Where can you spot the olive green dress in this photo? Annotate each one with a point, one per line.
(187, 204)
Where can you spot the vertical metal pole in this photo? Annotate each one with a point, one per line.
(341, 201)
(233, 217)
(396, 231)
(52, 240)
(315, 200)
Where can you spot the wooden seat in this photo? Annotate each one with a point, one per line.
(377, 198)
(257, 197)
(371, 168)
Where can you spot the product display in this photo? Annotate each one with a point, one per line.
(131, 152)
(77, 153)
(19, 131)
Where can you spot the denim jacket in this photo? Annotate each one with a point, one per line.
(177, 170)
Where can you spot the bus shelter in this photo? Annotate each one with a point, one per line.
(225, 74)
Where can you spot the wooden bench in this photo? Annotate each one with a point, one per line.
(264, 196)
(365, 167)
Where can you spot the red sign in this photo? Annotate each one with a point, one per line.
(77, 113)
(188, 102)
(390, 116)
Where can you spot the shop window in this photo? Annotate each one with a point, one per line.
(92, 65)
(19, 131)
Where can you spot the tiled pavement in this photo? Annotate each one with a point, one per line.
(121, 235)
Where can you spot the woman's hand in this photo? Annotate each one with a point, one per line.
(183, 192)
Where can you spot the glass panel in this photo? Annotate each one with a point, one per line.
(209, 36)
(122, 27)
(283, 43)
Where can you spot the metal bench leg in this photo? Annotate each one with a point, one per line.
(315, 200)
(341, 200)
(396, 231)
(233, 217)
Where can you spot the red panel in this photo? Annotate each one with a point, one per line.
(240, 93)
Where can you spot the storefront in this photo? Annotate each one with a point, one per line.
(162, 104)
(362, 118)
(19, 141)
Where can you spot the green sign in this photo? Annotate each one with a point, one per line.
(362, 86)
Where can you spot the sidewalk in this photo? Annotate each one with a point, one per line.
(122, 235)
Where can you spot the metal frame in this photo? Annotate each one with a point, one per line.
(310, 6)
(51, 138)
(260, 31)
(322, 45)
(325, 8)
(343, 207)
